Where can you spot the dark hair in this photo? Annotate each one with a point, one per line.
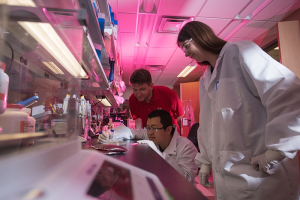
(141, 76)
(165, 118)
(203, 35)
(96, 189)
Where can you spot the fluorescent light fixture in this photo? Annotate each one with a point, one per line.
(50, 40)
(53, 67)
(28, 3)
(186, 71)
(104, 101)
(144, 28)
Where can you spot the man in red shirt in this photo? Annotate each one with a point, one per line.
(146, 98)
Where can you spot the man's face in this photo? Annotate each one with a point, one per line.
(157, 134)
(107, 177)
(143, 92)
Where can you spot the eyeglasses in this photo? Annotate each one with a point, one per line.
(186, 45)
(153, 129)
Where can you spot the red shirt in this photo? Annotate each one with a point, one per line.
(162, 98)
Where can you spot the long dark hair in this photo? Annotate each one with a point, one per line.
(203, 35)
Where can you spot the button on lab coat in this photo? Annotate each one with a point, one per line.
(249, 104)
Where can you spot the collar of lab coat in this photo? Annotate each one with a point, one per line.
(171, 149)
(208, 76)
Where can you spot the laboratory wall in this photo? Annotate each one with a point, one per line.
(189, 92)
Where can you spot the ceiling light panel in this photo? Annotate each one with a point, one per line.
(28, 3)
(186, 71)
(105, 102)
(49, 39)
(53, 67)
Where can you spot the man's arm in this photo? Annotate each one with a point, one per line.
(177, 108)
(185, 164)
(123, 132)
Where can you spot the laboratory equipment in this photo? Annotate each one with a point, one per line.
(28, 102)
(13, 120)
(4, 80)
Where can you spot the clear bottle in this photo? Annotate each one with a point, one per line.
(100, 133)
(4, 80)
(112, 135)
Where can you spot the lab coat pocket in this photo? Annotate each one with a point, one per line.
(238, 172)
(228, 95)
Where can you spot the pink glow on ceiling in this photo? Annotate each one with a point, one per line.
(161, 48)
(236, 29)
(261, 7)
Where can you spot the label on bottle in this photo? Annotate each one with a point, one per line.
(29, 127)
(59, 126)
(22, 125)
(2, 96)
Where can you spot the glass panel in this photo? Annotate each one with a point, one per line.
(41, 50)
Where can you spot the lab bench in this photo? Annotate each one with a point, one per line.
(144, 157)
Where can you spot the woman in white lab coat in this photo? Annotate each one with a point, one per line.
(249, 131)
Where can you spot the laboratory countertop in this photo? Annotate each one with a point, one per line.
(144, 157)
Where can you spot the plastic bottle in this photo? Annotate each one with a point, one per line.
(98, 50)
(106, 131)
(110, 124)
(29, 127)
(4, 80)
(112, 135)
(99, 136)
(65, 105)
(101, 21)
(13, 120)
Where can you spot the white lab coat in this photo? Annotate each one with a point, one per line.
(249, 104)
(180, 153)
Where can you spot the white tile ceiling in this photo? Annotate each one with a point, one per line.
(162, 48)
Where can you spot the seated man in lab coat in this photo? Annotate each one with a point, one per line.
(178, 151)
